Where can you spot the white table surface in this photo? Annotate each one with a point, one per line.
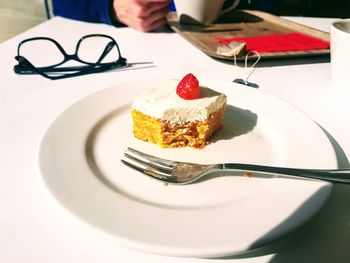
(35, 228)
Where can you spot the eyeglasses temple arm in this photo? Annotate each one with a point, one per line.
(25, 67)
(88, 70)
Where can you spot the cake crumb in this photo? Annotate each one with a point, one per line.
(248, 174)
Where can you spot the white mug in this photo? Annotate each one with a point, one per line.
(340, 54)
(201, 11)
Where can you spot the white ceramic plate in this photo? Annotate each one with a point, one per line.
(80, 163)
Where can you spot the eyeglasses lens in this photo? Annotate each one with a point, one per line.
(41, 53)
(92, 49)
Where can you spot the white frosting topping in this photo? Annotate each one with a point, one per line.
(163, 103)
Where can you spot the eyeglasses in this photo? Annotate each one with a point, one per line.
(45, 56)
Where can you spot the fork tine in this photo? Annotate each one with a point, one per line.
(151, 173)
(133, 165)
(159, 162)
(148, 164)
(146, 167)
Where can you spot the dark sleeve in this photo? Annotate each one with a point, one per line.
(172, 6)
(98, 11)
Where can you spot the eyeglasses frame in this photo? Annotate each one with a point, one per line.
(24, 66)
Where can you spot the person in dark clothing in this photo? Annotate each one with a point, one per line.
(143, 15)
(149, 15)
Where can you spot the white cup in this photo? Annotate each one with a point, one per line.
(340, 55)
(201, 11)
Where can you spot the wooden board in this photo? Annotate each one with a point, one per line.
(245, 23)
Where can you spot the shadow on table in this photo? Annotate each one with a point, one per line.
(324, 238)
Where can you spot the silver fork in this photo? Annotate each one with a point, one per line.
(184, 173)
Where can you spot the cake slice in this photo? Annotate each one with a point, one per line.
(161, 116)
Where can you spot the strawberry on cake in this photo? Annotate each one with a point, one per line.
(178, 114)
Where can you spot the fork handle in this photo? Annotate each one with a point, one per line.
(334, 175)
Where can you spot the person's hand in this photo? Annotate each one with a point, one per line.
(143, 15)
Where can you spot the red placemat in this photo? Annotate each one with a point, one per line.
(279, 42)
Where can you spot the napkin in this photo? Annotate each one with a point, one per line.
(279, 42)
